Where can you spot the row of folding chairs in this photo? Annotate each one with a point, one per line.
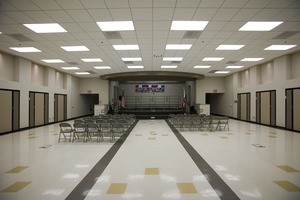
(89, 128)
(199, 123)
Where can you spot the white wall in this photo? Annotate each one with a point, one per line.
(208, 85)
(95, 86)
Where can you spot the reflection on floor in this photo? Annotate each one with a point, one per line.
(256, 162)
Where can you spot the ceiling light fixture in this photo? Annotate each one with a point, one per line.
(279, 47)
(234, 66)
(188, 25)
(222, 72)
(132, 59)
(75, 48)
(135, 67)
(229, 47)
(178, 46)
(172, 58)
(70, 68)
(46, 28)
(168, 66)
(91, 60)
(126, 47)
(53, 61)
(25, 49)
(252, 59)
(82, 73)
(202, 66)
(212, 59)
(260, 26)
(102, 67)
(116, 26)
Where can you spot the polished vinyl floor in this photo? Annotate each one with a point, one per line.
(153, 161)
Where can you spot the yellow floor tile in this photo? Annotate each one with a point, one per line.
(117, 188)
(152, 171)
(224, 137)
(288, 186)
(186, 188)
(272, 136)
(249, 133)
(165, 134)
(205, 134)
(138, 134)
(31, 137)
(16, 187)
(273, 133)
(230, 133)
(17, 169)
(151, 138)
(287, 168)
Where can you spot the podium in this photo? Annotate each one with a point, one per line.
(100, 110)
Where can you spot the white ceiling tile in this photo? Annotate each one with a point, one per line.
(184, 13)
(39, 16)
(71, 27)
(142, 25)
(128, 34)
(215, 26)
(257, 4)
(22, 5)
(80, 36)
(296, 4)
(280, 3)
(6, 6)
(117, 3)
(90, 26)
(163, 13)
(96, 35)
(162, 25)
(205, 13)
(16, 16)
(100, 15)
(189, 3)
(143, 41)
(164, 3)
(80, 15)
(142, 13)
(160, 34)
(245, 14)
(287, 14)
(70, 4)
(46, 4)
(59, 15)
(234, 3)
(266, 14)
(233, 26)
(225, 14)
(176, 34)
(93, 4)
(144, 34)
(210, 3)
(140, 3)
(121, 14)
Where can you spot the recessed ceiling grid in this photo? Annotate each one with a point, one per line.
(152, 20)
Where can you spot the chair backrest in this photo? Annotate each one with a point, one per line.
(65, 127)
(79, 127)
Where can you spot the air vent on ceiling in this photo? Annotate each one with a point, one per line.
(175, 62)
(20, 37)
(286, 34)
(192, 34)
(129, 62)
(231, 62)
(72, 63)
(112, 35)
(91, 72)
(213, 71)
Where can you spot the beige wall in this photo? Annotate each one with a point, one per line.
(95, 86)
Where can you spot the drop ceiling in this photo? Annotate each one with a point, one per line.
(152, 22)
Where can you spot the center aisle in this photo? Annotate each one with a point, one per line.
(152, 164)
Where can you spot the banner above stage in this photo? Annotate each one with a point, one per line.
(149, 88)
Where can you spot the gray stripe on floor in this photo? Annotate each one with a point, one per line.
(217, 183)
(86, 184)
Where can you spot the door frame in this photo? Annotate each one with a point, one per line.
(46, 113)
(259, 109)
(286, 113)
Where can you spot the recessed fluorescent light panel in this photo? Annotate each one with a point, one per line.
(168, 66)
(75, 48)
(259, 26)
(222, 72)
(116, 26)
(229, 47)
(172, 58)
(46, 28)
(126, 47)
(132, 59)
(82, 73)
(279, 47)
(178, 46)
(25, 49)
(0, 32)
(91, 60)
(53, 61)
(212, 59)
(102, 67)
(188, 25)
(70, 68)
(234, 66)
(202, 66)
(251, 59)
(135, 67)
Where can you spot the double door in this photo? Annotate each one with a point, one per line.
(38, 108)
(60, 107)
(243, 104)
(266, 107)
(292, 109)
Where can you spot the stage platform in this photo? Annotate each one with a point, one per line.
(151, 114)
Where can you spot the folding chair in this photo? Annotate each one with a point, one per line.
(65, 128)
(80, 130)
(223, 123)
(105, 131)
(92, 130)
